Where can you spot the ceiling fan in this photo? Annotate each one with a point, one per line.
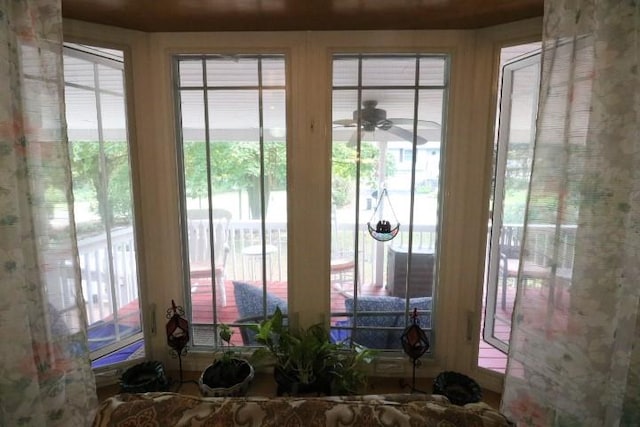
(372, 118)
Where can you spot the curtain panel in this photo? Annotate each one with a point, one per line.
(45, 372)
(573, 355)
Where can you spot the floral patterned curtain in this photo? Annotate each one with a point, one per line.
(574, 358)
(45, 372)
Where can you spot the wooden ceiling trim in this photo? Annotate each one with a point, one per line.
(285, 15)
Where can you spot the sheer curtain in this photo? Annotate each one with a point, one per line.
(45, 372)
(574, 357)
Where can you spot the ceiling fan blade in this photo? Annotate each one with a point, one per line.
(421, 123)
(406, 135)
(345, 122)
(353, 140)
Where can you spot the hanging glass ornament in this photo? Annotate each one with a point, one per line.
(384, 229)
(177, 335)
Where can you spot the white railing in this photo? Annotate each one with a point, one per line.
(102, 299)
(97, 277)
(244, 235)
(541, 240)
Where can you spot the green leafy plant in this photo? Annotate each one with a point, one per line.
(305, 360)
(227, 369)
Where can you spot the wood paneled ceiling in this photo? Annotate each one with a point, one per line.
(273, 15)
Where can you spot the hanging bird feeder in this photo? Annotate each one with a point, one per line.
(384, 230)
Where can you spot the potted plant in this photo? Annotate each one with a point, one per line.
(306, 361)
(228, 375)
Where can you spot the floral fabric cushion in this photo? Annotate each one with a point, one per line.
(171, 409)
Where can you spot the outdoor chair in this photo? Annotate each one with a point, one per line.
(385, 312)
(250, 308)
(509, 267)
(200, 254)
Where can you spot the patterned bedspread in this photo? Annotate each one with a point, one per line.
(172, 409)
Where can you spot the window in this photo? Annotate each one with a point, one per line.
(232, 160)
(513, 160)
(388, 121)
(308, 269)
(103, 202)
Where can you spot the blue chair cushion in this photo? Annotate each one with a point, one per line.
(370, 337)
(249, 303)
(385, 339)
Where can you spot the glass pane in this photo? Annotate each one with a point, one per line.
(103, 210)
(273, 72)
(81, 113)
(345, 71)
(234, 115)
(78, 71)
(391, 71)
(192, 115)
(110, 79)
(376, 284)
(274, 115)
(513, 157)
(232, 71)
(432, 71)
(235, 196)
(518, 145)
(190, 73)
(114, 120)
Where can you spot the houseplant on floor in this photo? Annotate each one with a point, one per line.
(228, 375)
(305, 361)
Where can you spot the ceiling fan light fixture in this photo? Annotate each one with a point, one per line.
(371, 117)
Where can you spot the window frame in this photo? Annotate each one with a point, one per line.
(406, 156)
(470, 129)
(91, 52)
(504, 125)
(206, 88)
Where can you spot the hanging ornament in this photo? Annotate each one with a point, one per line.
(177, 334)
(384, 229)
(415, 343)
(177, 329)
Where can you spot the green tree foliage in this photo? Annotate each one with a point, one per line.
(344, 166)
(102, 177)
(104, 180)
(235, 166)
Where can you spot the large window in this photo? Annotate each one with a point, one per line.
(253, 169)
(232, 157)
(513, 160)
(388, 120)
(103, 202)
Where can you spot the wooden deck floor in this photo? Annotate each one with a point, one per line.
(203, 313)
(489, 357)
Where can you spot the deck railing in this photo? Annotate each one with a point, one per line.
(101, 298)
(541, 241)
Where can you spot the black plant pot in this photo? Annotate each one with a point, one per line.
(144, 377)
(457, 387)
(213, 382)
(288, 384)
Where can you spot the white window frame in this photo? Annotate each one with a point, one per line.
(496, 265)
(96, 55)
